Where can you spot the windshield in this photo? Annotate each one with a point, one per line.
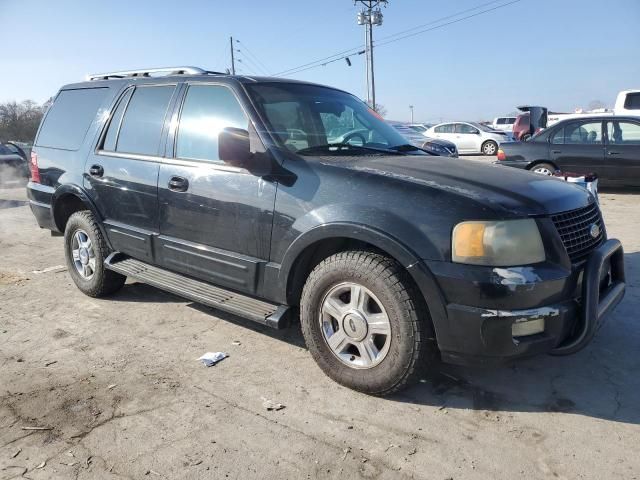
(309, 117)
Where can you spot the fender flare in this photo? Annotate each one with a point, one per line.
(414, 265)
(78, 192)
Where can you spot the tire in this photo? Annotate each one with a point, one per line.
(387, 290)
(489, 147)
(543, 169)
(81, 228)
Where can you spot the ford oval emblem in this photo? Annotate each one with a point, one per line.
(594, 231)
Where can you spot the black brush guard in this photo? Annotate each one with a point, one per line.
(597, 300)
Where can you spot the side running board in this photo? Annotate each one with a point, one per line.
(275, 316)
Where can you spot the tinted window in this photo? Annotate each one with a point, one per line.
(116, 119)
(464, 128)
(558, 137)
(206, 111)
(632, 102)
(143, 120)
(585, 133)
(623, 133)
(447, 128)
(501, 121)
(5, 150)
(69, 118)
(510, 120)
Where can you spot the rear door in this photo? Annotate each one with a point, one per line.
(578, 147)
(623, 152)
(121, 175)
(215, 219)
(467, 137)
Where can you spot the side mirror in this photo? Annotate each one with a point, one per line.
(234, 147)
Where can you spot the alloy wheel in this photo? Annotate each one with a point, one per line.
(84, 258)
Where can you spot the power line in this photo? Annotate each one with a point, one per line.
(403, 34)
(255, 58)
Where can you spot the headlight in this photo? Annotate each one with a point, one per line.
(506, 243)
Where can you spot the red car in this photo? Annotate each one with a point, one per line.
(521, 130)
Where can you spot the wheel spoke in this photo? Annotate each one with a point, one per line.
(334, 308)
(358, 298)
(378, 324)
(76, 254)
(338, 341)
(92, 264)
(85, 270)
(368, 351)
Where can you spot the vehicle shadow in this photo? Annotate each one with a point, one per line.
(601, 381)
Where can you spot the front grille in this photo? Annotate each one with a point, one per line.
(574, 228)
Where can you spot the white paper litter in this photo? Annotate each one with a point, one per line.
(211, 358)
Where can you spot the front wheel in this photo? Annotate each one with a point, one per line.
(490, 147)
(85, 252)
(365, 323)
(544, 169)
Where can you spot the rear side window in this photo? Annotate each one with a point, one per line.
(206, 111)
(501, 121)
(448, 128)
(116, 120)
(623, 133)
(143, 119)
(70, 117)
(632, 102)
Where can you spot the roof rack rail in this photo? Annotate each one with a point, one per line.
(148, 72)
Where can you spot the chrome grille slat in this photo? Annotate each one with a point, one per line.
(574, 229)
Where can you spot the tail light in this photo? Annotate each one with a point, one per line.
(33, 166)
(501, 154)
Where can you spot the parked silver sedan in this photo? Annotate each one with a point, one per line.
(469, 137)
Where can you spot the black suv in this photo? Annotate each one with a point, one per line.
(228, 190)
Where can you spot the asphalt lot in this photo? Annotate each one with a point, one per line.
(117, 389)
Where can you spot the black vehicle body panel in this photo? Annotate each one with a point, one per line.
(614, 164)
(246, 229)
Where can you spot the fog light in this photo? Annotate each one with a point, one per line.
(522, 328)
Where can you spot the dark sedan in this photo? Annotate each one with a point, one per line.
(607, 146)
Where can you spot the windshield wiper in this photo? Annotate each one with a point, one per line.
(345, 147)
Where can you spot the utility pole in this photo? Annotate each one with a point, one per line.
(369, 16)
(233, 61)
(411, 108)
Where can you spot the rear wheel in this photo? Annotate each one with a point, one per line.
(489, 147)
(365, 323)
(85, 252)
(543, 169)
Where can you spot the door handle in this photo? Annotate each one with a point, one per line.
(556, 152)
(96, 171)
(178, 184)
(613, 153)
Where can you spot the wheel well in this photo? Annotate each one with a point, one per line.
(66, 206)
(315, 253)
(538, 162)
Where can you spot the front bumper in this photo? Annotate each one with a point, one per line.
(572, 306)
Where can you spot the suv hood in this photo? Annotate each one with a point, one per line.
(508, 191)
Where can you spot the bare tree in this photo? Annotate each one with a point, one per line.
(19, 121)
(594, 104)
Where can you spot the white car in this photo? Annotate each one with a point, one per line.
(503, 123)
(469, 137)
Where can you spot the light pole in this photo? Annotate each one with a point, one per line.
(369, 16)
(411, 108)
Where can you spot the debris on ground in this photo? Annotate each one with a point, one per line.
(51, 362)
(57, 268)
(236, 343)
(42, 465)
(211, 358)
(112, 386)
(151, 472)
(37, 428)
(271, 405)
(16, 453)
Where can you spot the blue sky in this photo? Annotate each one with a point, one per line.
(558, 53)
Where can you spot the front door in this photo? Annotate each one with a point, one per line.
(578, 147)
(622, 161)
(467, 137)
(215, 219)
(121, 176)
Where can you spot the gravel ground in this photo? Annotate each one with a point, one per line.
(116, 390)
